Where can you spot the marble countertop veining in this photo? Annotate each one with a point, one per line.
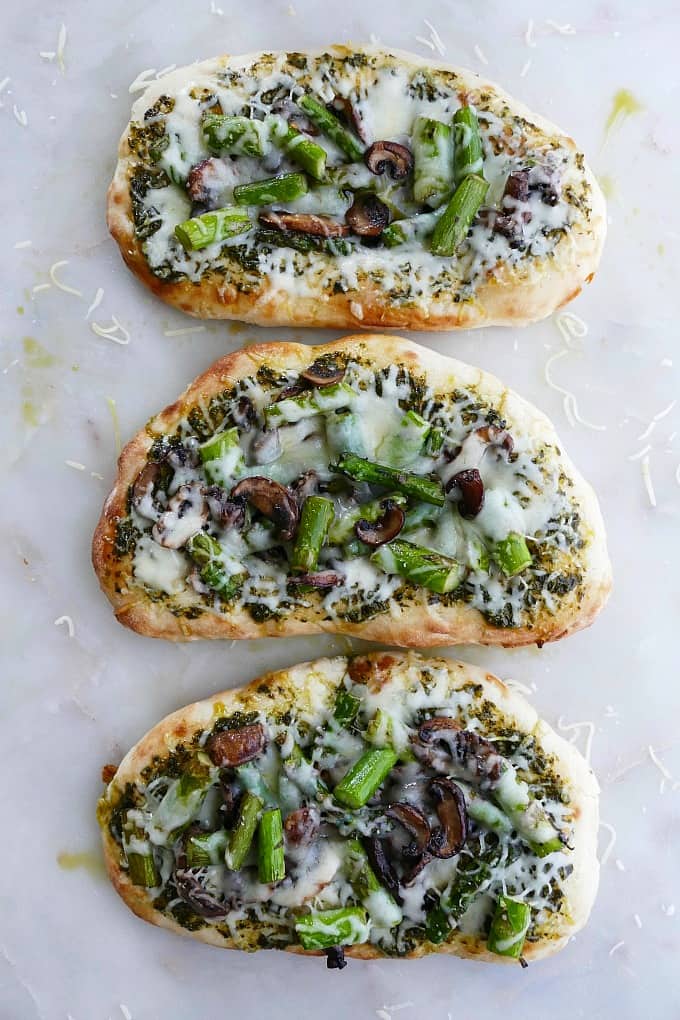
(78, 690)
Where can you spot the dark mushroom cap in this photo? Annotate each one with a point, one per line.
(335, 958)
(479, 756)
(471, 487)
(367, 216)
(415, 823)
(495, 436)
(228, 513)
(389, 157)
(147, 477)
(387, 876)
(432, 729)
(301, 826)
(323, 373)
(384, 529)
(304, 223)
(199, 899)
(319, 579)
(229, 748)
(244, 414)
(450, 838)
(306, 485)
(348, 112)
(272, 500)
(517, 185)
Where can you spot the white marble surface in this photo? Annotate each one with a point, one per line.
(68, 704)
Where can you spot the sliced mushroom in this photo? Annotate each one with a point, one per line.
(304, 223)
(228, 513)
(186, 514)
(335, 958)
(389, 157)
(323, 373)
(415, 823)
(517, 185)
(472, 756)
(199, 899)
(450, 838)
(244, 414)
(304, 486)
(346, 108)
(272, 500)
(471, 487)
(478, 757)
(142, 490)
(319, 579)
(208, 180)
(384, 529)
(495, 436)
(229, 748)
(433, 729)
(385, 873)
(231, 799)
(367, 216)
(301, 826)
(267, 447)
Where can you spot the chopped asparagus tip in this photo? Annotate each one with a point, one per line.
(403, 230)
(454, 223)
(233, 136)
(468, 153)
(364, 777)
(419, 565)
(466, 887)
(209, 227)
(244, 831)
(552, 846)
(346, 707)
(206, 848)
(142, 870)
(271, 865)
(325, 928)
(315, 519)
(203, 548)
(433, 155)
(300, 149)
(512, 554)
(362, 470)
(226, 585)
(285, 188)
(306, 405)
(437, 926)
(403, 446)
(381, 905)
(222, 457)
(488, 815)
(328, 123)
(509, 926)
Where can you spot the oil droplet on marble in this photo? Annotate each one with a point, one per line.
(88, 860)
(624, 105)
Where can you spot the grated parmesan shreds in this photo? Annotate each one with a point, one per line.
(58, 284)
(47, 55)
(40, 287)
(185, 331)
(437, 40)
(109, 332)
(666, 411)
(638, 922)
(425, 42)
(75, 464)
(571, 327)
(619, 864)
(588, 725)
(216, 10)
(113, 411)
(640, 453)
(480, 54)
(69, 624)
(4, 83)
(647, 480)
(610, 845)
(529, 34)
(525, 68)
(125, 1011)
(23, 244)
(615, 949)
(566, 29)
(142, 80)
(95, 303)
(61, 43)
(20, 116)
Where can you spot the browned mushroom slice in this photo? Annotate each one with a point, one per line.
(228, 513)
(478, 757)
(144, 484)
(186, 514)
(229, 748)
(304, 223)
(415, 823)
(409, 876)
(208, 180)
(471, 487)
(517, 185)
(272, 500)
(385, 873)
(320, 579)
(301, 826)
(367, 216)
(244, 414)
(323, 373)
(495, 436)
(304, 486)
(435, 728)
(199, 899)
(389, 157)
(384, 529)
(450, 838)
(347, 110)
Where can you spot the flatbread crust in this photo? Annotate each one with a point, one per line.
(410, 626)
(308, 683)
(511, 299)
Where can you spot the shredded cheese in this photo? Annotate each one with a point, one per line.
(619, 864)
(184, 331)
(218, 10)
(615, 949)
(109, 332)
(647, 479)
(40, 286)
(23, 244)
(125, 1011)
(142, 80)
(610, 845)
(525, 68)
(61, 43)
(113, 410)
(479, 53)
(577, 727)
(20, 116)
(640, 453)
(638, 922)
(529, 34)
(560, 29)
(75, 464)
(436, 38)
(69, 624)
(95, 303)
(58, 284)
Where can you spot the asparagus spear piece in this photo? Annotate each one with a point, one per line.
(271, 865)
(244, 832)
(381, 906)
(142, 870)
(206, 551)
(344, 432)
(468, 153)
(364, 777)
(433, 157)
(401, 448)
(284, 188)
(415, 228)
(363, 470)
(205, 848)
(317, 514)
(234, 136)
(328, 123)
(306, 405)
(509, 926)
(300, 149)
(222, 457)
(342, 528)
(512, 554)
(419, 565)
(454, 223)
(346, 707)
(326, 928)
(437, 925)
(467, 884)
(209, 227)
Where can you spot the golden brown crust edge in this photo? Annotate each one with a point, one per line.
(416, 626)
(581, 885)
(501, 303)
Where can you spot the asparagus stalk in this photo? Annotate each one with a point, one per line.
(346, 707)
(325, 928)
(233, 136)
(454, 223)
(142, 870)
(363, 470)
(342, 528)
(509, 926)
(206, 551)
(401, 448)
(271, 865)
(467, 885)
(300, 149)
(468, 153)
(284, 188)
(381, 906)
(222, 457)
(242, 836)
(306, 405)
(209, 227)
(344, 432)
(437, 925)
(317, 514)
(419, 565)
(363, 778)
(205, 848)
(330, 125)
(415, 228)
(302, 242)
(512, 554)
(433, 158)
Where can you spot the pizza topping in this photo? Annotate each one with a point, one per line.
(272, 500)
(389, 158)
(450, 837)
(236, 747)
(323, 373)
(367, 216)
(304, 223)
(384, 529)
